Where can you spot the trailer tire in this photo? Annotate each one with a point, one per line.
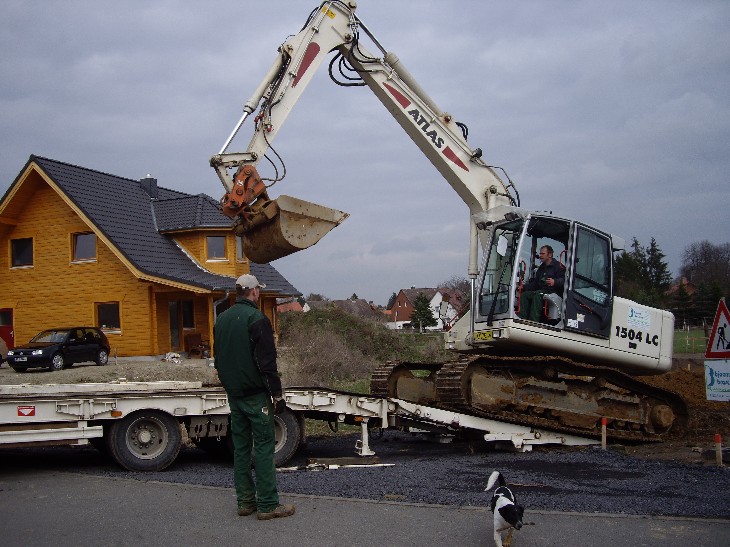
(288, 435)
(147, 440)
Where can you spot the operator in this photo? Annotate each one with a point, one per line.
(549, 278)
(245, 358)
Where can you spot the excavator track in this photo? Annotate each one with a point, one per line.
(546, 392)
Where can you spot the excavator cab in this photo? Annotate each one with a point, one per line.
(583, 252)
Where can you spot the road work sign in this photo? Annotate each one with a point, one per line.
(718, 347)
(717, 380)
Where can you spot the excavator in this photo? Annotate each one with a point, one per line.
(576, 367)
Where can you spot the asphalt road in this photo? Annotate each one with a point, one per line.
(39, 507)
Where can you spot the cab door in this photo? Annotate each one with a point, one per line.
(589, 294)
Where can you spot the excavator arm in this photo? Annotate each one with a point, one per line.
(272, 228)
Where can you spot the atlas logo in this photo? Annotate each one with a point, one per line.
(425, 126)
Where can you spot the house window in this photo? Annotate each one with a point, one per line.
(107, 316)
(21, 251)
(84, 247)
(188, 317)
(216, 247)
(240, 257)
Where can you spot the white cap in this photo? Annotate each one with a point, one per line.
(248, 281)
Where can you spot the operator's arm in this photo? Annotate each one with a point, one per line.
(262, 337)
(557, 272)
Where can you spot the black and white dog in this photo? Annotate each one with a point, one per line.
(507, 512)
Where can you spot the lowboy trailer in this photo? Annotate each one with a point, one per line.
(140, 424)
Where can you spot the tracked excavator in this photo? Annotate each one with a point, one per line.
(572, 368)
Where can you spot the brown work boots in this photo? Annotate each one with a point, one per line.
(278, 512)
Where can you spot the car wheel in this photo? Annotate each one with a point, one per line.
(57, 362)
(102, 358)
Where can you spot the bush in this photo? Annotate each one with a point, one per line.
(325, 347)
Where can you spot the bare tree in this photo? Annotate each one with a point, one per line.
(705, 262)
(457, 283)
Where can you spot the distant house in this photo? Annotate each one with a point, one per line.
(151, 266)
(689, 287)
(453, 310)
(400, 314)
(403, 306)
(288, 304)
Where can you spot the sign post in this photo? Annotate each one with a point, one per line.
(717, 357)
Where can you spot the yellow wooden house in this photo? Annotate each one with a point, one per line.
(151, 266)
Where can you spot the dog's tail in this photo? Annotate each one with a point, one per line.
(495, 477)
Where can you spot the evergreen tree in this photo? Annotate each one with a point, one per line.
(391, 301)
(642, 275)
(422, 315)
(682, 306)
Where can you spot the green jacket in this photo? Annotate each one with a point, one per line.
(245, 353)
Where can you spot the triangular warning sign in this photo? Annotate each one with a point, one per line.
(719, 345)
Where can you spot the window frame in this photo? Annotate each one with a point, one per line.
(114, 329)
(208, 257)
(13, 243)
(74, 246)
(240, 255)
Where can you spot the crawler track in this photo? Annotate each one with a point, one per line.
(546, 392)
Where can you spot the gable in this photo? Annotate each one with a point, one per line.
(123, 216)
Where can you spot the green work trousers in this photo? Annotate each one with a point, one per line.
(531, 305)
(252, 423)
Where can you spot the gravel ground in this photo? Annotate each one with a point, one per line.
(558, 479)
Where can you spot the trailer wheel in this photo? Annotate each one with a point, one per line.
(288, 435)
(147, 440)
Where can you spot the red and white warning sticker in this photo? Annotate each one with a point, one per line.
(26, 411)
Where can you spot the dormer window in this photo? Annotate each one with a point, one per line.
(240, 257)
(216, 247)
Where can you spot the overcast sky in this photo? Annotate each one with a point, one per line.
(613, 113)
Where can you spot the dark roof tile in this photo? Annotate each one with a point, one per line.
(133, 222)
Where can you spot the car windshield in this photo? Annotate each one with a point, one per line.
(50, 336)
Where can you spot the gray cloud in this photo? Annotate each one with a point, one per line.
(617, 114)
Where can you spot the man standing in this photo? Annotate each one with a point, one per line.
(549, 278)
(245, 358)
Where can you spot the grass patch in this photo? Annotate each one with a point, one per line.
(691, 341)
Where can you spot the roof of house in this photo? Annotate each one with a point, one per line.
(135, 223)
(412, 293)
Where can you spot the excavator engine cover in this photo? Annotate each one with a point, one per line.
(292, 225)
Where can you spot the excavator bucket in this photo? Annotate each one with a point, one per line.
(291, 225)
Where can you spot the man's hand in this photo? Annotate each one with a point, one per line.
(279, 405)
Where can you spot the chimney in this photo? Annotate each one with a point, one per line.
(149, 185)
